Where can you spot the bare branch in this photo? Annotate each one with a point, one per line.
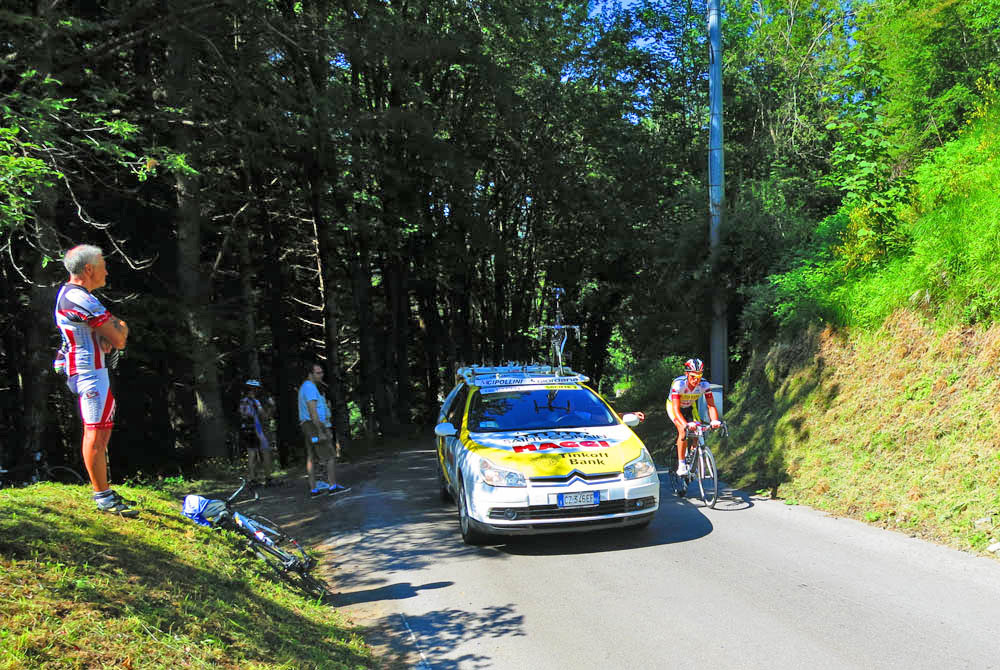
(315, 308)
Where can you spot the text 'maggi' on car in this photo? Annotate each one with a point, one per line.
(532, 449)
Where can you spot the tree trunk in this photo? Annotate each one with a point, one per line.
(331, 317)
(12, 404)
(40, 336)
(200, 347)
(251, 357)
(287, 370)
(501, 280)
(361, 282)
(398, 301)
(41, 341)
(599, 329)
(431, 336)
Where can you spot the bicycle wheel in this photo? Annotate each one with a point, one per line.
(276, 559)
(285, 550)
(63, 475)
(292, 570)
(708, 477)
(312, 585)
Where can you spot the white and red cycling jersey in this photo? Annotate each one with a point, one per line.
(78, 314)
(688, 396)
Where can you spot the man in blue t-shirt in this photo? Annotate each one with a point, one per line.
(314, 417)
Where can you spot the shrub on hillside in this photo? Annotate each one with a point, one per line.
(650, 388)
(942, 264)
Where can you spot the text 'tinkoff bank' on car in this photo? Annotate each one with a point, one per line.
(532, 449)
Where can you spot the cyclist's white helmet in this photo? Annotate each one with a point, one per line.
(255, 383)
(694, 365)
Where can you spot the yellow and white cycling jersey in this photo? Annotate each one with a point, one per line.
(689, 396)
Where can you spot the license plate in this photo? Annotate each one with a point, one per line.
(581, 499)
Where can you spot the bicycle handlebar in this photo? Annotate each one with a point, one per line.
(704, 428)
(243, 485)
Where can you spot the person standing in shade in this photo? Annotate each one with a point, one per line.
(314, 417)
(91, 335)
(252, 436)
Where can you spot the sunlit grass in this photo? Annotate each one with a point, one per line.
(82, 589)
(897, 427)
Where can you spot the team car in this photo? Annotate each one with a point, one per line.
(533, 449)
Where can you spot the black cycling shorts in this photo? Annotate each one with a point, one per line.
(248, 438)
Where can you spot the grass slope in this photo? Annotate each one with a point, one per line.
(899, 427)
(81, 589)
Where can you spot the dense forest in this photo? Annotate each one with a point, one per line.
(394, 188)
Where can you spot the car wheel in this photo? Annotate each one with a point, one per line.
(470, 533)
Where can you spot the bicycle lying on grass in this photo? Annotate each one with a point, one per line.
(701, 465)
(264, 538)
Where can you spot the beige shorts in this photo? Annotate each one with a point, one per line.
(317, 446)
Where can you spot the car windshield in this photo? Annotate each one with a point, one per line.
(538, 409)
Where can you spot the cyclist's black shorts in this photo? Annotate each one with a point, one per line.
(248, 438)
(688, 413)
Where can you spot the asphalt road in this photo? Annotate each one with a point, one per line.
(752, 584)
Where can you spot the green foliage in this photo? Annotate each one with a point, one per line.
(649, 389)
(863, 170)
(42, 128)
(939, 258)
(621, 362)
(951, 272)
(929, 53)
(21, 174)
(873, 234)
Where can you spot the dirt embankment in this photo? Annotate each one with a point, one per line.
(900, 427)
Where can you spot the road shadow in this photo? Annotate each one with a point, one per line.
(392, 518)
(398, 591)
(733, 500)
(394, 523)
(677, 520)
(435, 634)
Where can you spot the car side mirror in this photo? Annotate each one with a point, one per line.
(630, 420)
(445, 430)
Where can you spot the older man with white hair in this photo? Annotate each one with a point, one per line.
(89, 334)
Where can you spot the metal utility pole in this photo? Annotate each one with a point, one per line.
(718, 359)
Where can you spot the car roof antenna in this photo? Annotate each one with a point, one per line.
(560, 333)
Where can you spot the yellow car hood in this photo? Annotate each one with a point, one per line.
(553, 453)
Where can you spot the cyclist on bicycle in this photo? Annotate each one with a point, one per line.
(682, 405)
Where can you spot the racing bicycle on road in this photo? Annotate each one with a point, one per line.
(701, 464)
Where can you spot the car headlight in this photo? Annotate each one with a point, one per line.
(640, 467)
(495, 476)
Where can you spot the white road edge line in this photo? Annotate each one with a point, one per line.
(423, 665)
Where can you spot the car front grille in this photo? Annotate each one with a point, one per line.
(541, 512)
(576, 474)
